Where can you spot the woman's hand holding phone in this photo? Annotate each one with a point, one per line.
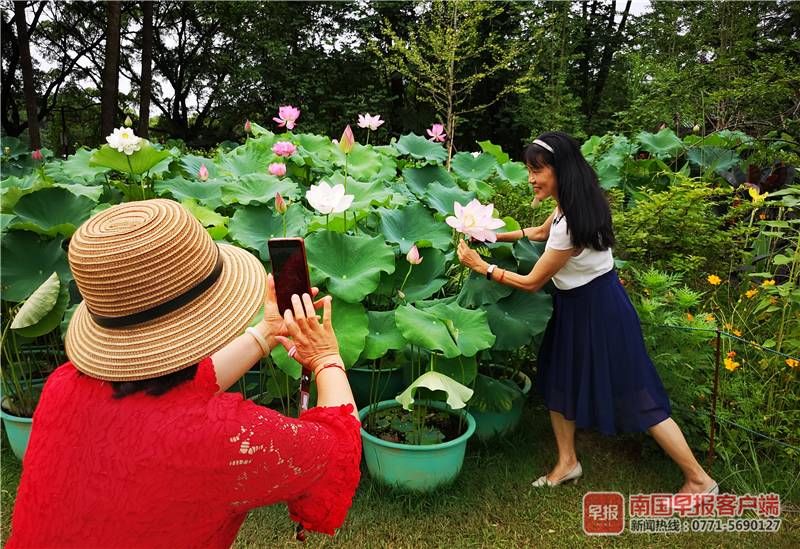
(273, 323)
(315, 342)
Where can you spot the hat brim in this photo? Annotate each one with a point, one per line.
(178, 339)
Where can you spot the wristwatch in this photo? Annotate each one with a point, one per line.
(489, 270)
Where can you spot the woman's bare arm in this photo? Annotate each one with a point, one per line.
(539, 234)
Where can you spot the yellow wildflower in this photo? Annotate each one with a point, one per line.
(751, 293)
(757, 198)
(773, 300)
(731, 364)
(737, 333)
(709, 318)
(714, 280)
(728, 326)
(792, 362)
(768, 283)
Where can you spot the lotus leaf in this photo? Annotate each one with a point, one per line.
(414, 224)
(457, 394)
(350, 266)
(420, 148)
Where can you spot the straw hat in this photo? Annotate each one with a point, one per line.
(159, 294)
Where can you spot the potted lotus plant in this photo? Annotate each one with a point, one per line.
(418, 444)
(39, 315)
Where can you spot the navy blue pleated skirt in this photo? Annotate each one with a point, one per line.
(593, 365)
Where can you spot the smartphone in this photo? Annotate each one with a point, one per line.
(290, 270)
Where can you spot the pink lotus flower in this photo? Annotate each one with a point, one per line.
(284, 148)
(347, 141)
(287, 116)
(437, 133)
(202, 174)
(475, 220)
(248, 127)
(413, 256)
(371, 122)
(280, 204)
(277, 169)
(37, 155)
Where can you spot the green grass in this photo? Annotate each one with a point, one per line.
(491, 504)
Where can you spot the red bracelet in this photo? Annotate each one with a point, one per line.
(331, 365)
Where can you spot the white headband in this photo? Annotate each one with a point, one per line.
(544, 145)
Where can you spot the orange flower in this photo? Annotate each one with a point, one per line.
(768, 283)
(751, 293)
(731, 364)
(737, 333)
(731, 354)
(792, 362)
(714, 280)
(762, 216)
(709, 318)
(689, 317)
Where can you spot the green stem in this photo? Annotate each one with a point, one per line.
(788, 299)
(344, 213)
(403, 285)
(284, 224)
(133, 180)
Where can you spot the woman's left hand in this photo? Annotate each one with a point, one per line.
(468, 257)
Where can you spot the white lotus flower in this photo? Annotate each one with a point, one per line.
(328, 200)
(475, 220)
(124, 140)
(368, 121)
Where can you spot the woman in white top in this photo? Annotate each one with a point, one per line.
(593, 369)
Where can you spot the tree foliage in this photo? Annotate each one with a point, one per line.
(502, 71)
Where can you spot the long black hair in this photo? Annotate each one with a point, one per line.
(156, 386)
(580, 197)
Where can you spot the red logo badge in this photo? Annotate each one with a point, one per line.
(603, 513)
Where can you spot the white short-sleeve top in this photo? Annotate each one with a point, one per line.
(579, 269)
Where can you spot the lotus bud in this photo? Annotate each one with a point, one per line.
(202, 175)
(696, 128)
(248, 128)
(347, 141)
(413, 256)
(128, 121)
(280, 204)
(278, 169)
(37, 155)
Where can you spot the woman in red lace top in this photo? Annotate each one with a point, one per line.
(134, 442)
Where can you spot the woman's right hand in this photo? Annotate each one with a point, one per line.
(315, 342)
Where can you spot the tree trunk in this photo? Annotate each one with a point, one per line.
(609, 50)
(147, 69)
(111, 70)
(27, 75)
